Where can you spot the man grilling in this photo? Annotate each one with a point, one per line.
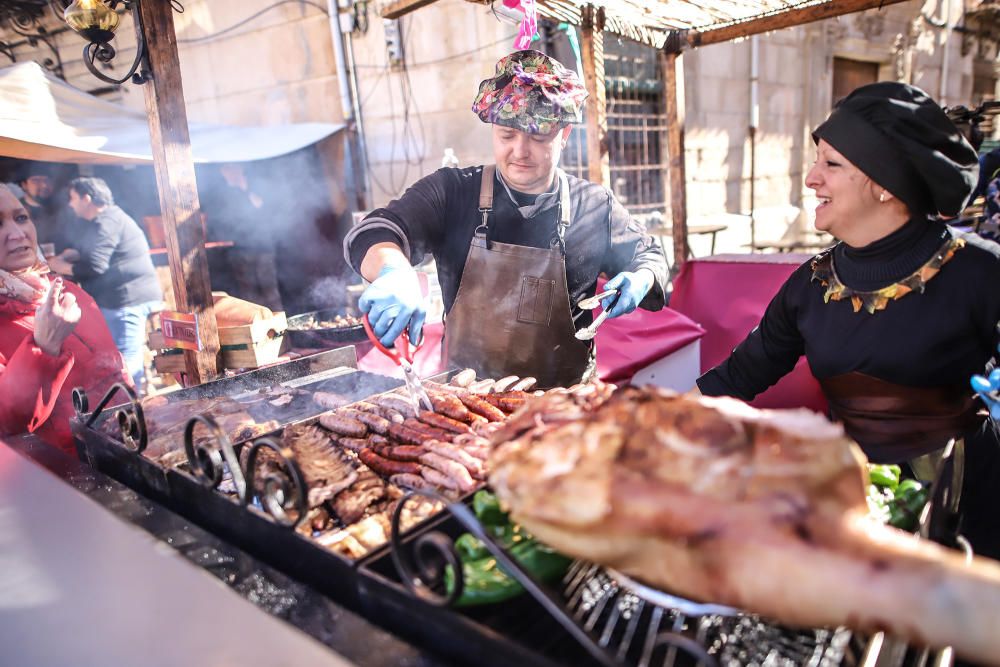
(517, 244)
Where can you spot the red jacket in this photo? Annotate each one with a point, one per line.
(36, 390)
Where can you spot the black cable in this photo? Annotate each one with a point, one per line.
(447, 58)
(206, 38)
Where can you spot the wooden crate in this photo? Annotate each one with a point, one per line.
(248, 346)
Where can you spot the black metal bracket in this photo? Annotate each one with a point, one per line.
(279, 488)
(102, 51)
(131, 419)
(432, 552)
(207, 457)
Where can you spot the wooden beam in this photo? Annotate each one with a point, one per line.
(596, 112)
(672, 66)
(179, 205)
(783, 19)
(403, 7)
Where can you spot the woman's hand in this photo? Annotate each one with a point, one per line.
(55, 319)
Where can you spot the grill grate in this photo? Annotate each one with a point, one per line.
(640, 633)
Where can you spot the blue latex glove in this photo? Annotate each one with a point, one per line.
(394, 303)
(632, 287)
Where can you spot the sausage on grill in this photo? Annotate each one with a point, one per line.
(353, 444)
(400, 452)
(341, 425)
(463, 378)
(451, 468)
(481, 407)
(406, 435)
(376, 423)
(387, 467)
(411, 481)
(442, 422)
(426, 430)
(449, 405)
(504, 383)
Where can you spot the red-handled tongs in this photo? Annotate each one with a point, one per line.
(402, 354)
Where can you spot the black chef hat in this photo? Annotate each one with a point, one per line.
(902, 140)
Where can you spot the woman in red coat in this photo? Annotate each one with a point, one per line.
(53, 337)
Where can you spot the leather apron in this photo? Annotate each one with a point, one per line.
(512, 315)
(894, 423)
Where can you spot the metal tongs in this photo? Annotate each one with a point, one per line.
(590, 303)
(402, 354)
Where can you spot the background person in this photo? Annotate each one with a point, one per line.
(517, 244)
(52, 337)
(36, 183)
(110, 258)
(896, 318)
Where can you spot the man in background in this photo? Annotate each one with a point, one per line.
(36, 184)
(110, 259)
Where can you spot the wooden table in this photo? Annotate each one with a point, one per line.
(692, 230)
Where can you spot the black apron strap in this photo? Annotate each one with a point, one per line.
(486, 197)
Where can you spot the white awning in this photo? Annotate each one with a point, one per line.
(45, 118)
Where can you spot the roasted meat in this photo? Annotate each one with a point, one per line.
(716, 501)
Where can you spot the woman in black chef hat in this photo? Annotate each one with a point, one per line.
(895, 318)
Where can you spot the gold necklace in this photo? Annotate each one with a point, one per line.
(824, 271)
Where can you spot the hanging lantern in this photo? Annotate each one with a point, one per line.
(92, 19)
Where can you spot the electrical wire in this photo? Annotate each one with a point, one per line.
(456, 56)
(239, 24)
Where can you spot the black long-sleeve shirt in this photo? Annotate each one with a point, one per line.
(938, 338)
(439, 214)
(115, 266)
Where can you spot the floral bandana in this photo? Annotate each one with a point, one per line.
(530, 92)
(22, 292)
(824, 272)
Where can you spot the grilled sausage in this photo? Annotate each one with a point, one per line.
(506, 403)
(476, 419)
(388, 467)
(397, 403)
(449, 405)
(376, 423)
(411, 481)
(426, 430)
(450, 451)
(524, 384)
(400, 452)
(365, 406)
(438, 479)
(451, 468)
(393, 416)
(341, 425)
(463, 378)
(353, 444)
(481, 453)
(486, 429)
(376, 439)
(406, 435)
(480, 407)
(505, 383)
(481, 387)
(442, 422)
(328, 400)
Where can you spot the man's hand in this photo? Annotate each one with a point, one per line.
(63, 262)
(394, 303)
(632, 287)
(55, 319)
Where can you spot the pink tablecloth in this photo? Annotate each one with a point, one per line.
(624, 345)
(727, 295)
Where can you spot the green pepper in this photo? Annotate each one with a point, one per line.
(487, 509)
(485, 582)
(884, 476)
(911, 496)
(469, 548)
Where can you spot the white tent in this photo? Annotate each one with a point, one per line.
(45, 118)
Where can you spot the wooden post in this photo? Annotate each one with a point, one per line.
(672, 65)
(179, 205)
(592, 54)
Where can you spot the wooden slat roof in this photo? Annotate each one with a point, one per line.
(679, 24)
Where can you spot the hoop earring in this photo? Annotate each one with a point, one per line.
(881, 197)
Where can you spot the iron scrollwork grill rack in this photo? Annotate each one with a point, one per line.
(610, 621)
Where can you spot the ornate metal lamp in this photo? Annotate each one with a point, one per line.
(96, 21)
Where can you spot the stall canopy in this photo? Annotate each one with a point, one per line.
(45, 118)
